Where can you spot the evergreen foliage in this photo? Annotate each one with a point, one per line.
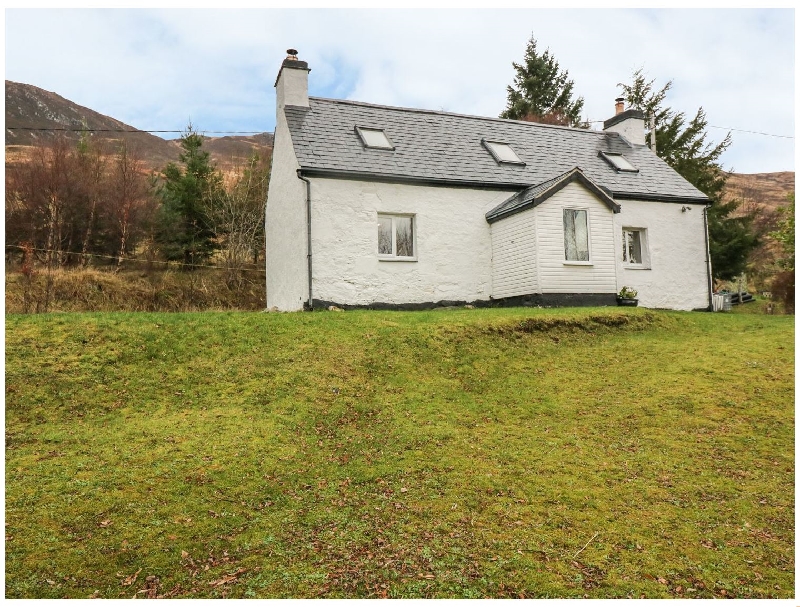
(542, 92)
(785, 233)
(186, 230)
(685, 148)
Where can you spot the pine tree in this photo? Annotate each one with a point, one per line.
(185, 228)
(684, 147)
(542, 91)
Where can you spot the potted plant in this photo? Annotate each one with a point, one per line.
(627, 297)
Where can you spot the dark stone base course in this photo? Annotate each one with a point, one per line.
(541, 300)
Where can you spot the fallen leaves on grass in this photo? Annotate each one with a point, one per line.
(128, 581)
(228, 579)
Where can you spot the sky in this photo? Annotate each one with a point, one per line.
(216, 68)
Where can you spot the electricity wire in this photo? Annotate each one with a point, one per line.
(30, 128)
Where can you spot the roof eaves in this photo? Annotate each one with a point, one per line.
(662, 198)
(404, 178)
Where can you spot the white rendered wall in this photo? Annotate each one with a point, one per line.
(677, 277)
(514, 255)
(453, 243)
(632, 129)
(285, 225)
(559, 276)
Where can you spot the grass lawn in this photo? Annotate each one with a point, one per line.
(456, 453)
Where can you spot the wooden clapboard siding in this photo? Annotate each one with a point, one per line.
(556, 276)
(514, 256)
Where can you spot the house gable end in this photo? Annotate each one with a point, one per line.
(537, 194)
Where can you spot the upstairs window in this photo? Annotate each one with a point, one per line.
(576, 235)
(396, 237)
(374, 138)
(619, 162)
(502, 152)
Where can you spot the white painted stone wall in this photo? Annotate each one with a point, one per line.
(677, 277)
(285, 224)
(559, 276)
(453, 242)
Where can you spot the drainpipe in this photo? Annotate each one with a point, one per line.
(708, 260)
(310, 302)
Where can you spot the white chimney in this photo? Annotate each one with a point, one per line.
(628, 123)
(292, 81)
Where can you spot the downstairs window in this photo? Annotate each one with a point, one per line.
(634, 247)
(576, 235)
(396, 237)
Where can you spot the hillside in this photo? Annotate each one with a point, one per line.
(451, 454)
(767, 189)
(34, 116)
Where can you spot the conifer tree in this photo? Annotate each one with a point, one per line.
(542, 91)
(185, 227)
(685, 148)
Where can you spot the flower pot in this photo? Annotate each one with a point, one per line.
(624, 301)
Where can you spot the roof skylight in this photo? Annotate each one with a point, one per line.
(374, 138)
(502, 152)
(619, 162)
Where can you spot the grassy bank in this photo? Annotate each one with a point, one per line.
(455, 453)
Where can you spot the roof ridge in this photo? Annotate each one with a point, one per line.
(443, 113)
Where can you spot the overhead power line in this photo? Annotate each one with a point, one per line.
(727, 128)
(724, 128)
(31, 128)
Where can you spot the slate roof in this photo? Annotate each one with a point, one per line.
(440, 147)
(537, 194)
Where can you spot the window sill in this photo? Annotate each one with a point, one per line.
(578, 263)
(630, 267)
(397, 259)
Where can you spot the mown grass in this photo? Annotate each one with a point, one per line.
(460, 453)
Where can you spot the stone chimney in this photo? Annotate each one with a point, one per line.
(292, 81)
(628, 123)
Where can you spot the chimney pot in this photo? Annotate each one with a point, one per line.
(292, 54)
(619, 105)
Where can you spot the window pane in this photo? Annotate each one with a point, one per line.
(375, 138)
(384, 235)
(633, 247)
(504, 152)
(576, 235)
(405, 236)
(619, 161)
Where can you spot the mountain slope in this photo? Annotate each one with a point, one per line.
(35, 116)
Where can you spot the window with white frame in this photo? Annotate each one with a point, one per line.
(374, 138)
(396, 236)
(634, 247)
(576, 235)
(502, 152)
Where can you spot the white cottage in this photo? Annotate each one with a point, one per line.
(384, 207)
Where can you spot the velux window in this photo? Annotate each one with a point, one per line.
(396, 236)
(576, 235)
(502, 152)
(374, 138)
(619, 162)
